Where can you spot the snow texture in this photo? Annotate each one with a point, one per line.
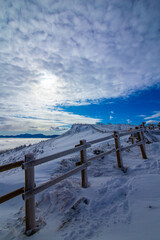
(116, 205)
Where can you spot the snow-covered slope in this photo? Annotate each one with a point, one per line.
(114, 127)
(115, 206)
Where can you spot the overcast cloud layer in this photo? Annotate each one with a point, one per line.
(66, 52)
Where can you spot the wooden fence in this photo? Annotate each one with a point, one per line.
(151, 126)
(29, 190)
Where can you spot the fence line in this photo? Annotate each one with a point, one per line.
(101, 139)
(28, 193)
(54, 156)
(11, 195)
(10, 166)
(101, 155)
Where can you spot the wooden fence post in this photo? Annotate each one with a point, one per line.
(140, 137)
(30, 203)
(142, 133)
(143, 123)
(132, 137)
(84, 175)
(118, 151)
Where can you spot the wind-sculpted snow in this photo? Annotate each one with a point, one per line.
(108, 205)
(114, 206)
(152, 136)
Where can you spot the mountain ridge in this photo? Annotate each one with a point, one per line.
(27, 135)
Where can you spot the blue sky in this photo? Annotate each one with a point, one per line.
(65, 62)
(123, 110)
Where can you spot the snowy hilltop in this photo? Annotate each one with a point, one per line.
(116, 205)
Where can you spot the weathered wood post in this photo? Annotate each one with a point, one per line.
(140, 137)
(118, 151)
(84, 175)
(143, 123)
(30, 203)
(132, 137)
(142, 133)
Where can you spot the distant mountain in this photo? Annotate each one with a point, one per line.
(27, 135)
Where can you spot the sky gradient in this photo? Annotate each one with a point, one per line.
(71, 61)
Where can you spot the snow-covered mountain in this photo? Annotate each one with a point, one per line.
(76, 128)
(114, 206)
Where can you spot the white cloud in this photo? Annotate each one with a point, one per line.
(66, 52)
(155, 115)
(110, 117)
(154, 118)
(151, 122)
(42, 121)
(129, 121)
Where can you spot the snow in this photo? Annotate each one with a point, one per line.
(116, 205)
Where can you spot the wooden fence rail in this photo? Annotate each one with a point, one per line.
(101, 139)
(16, 192)
(31, 193)
(54, 156)
(131, 146)
(11, 195)
(28, 193)
(101, 155)
(10, 166)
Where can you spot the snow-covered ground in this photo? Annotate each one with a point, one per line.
(116, 205)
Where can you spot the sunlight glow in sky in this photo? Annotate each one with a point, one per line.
(48, 81)
(65, 62)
